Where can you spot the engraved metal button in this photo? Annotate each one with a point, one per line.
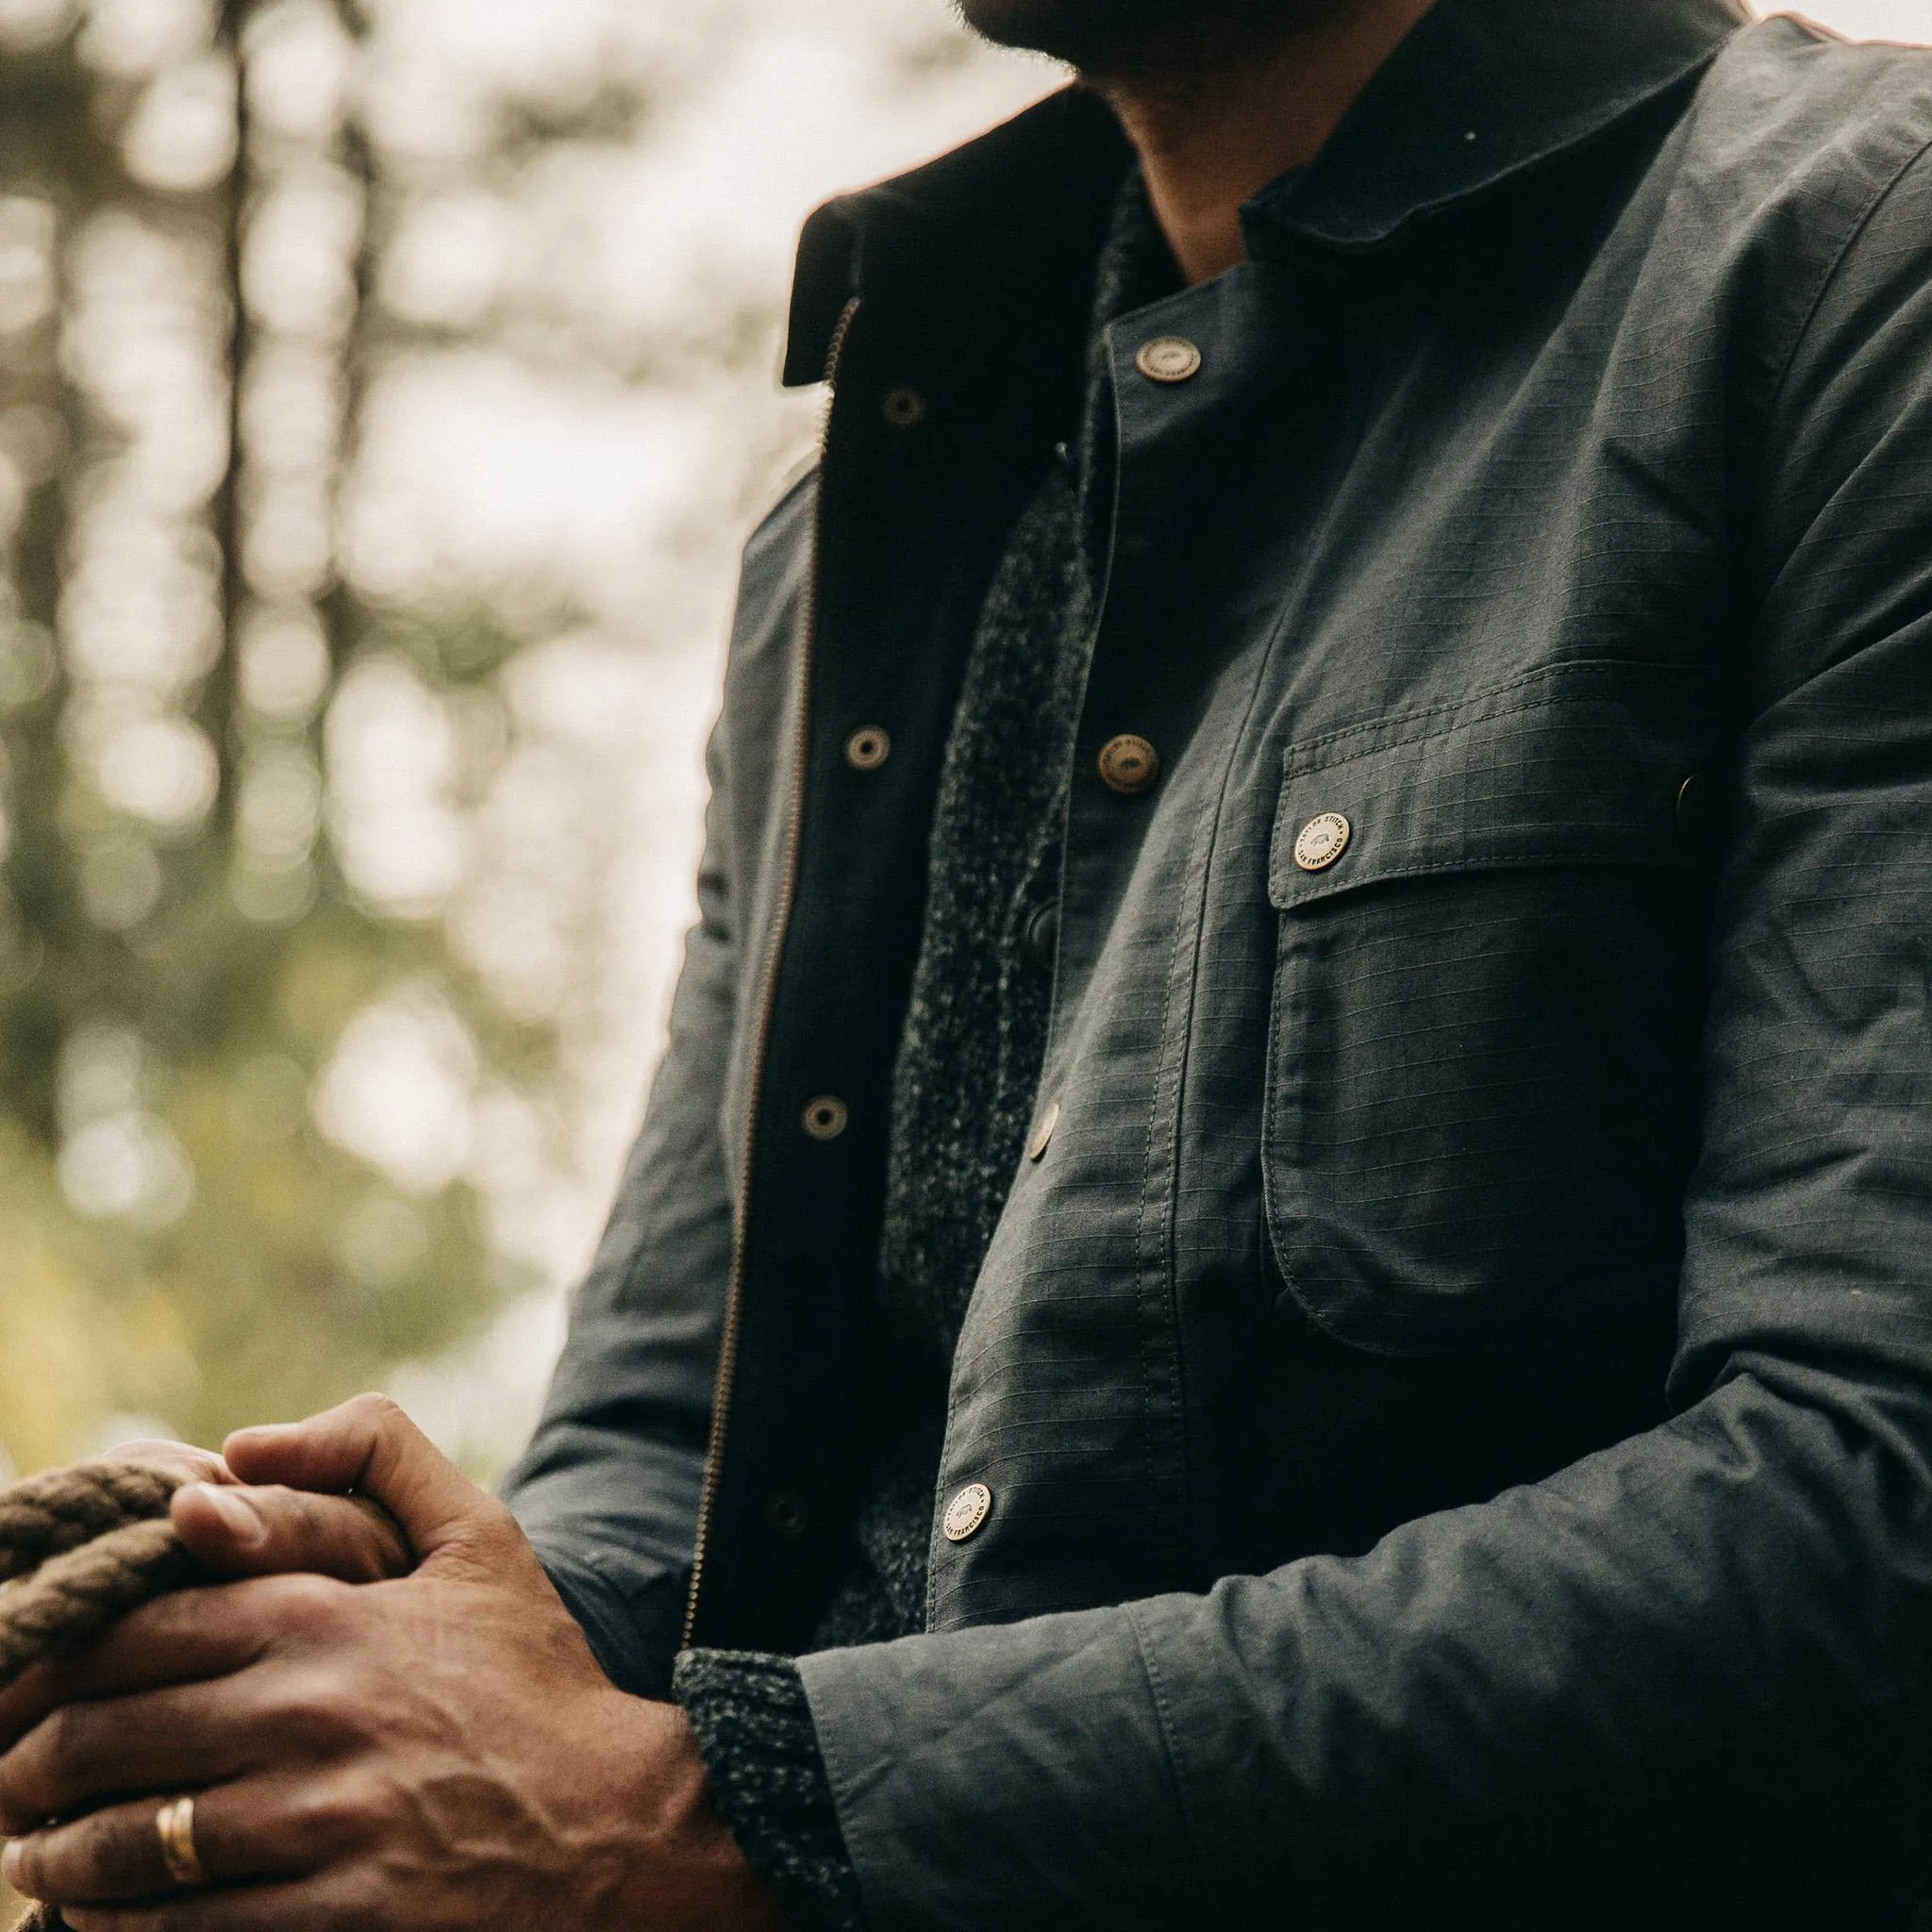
(1041, 1137)
(1043, 935)
(786, 1515)
(967, 1512)
(868, 748)
(903, 406)
(1168, 359)
(827, 1117)
(1129, 764)
(1322, 841)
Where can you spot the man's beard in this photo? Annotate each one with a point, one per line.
(1108, 37)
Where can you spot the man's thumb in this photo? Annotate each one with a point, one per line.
(369, 1446)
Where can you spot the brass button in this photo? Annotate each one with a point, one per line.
(1168, 359)
(1129, 764)
(786, 1515)
(1322, 841)
(868, 748)
(1041, 1137)
(967, 1512)
(903, 406)
(827, 1117)
(1043, 935)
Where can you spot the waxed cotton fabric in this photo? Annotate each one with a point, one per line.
(1456, 1392)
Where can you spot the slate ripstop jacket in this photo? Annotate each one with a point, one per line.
(1456, 1392)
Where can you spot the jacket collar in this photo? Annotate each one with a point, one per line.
(994, 225)
(1480, 92)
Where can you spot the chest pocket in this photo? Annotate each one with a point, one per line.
(1482, 1083)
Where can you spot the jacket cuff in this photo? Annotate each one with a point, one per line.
(1011, 1775)
(633, 1635)
(755, 1732)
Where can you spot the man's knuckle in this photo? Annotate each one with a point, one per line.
(327, 1819)
(309, 1606)
(378, 1410)
(63, 1742)
(325, 1706)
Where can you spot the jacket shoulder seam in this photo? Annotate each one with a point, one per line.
(1829, 280)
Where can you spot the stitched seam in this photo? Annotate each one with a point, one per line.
(1296, 759)
(1162, 1262)
(1167, 1263)
(1170, 1740)
(1835, 269)
(1295, 753)
(1600, 854)
(1274, 1211)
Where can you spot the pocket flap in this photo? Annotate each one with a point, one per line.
(1583, 763)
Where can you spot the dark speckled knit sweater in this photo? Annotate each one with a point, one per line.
(964, 1088)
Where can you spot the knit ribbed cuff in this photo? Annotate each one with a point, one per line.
(755, 1733)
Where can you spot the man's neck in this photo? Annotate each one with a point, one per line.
(1213, 124)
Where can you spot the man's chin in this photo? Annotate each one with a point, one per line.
(1103, 38)
(1083, 33)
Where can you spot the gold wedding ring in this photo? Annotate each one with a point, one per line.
(174, 1827)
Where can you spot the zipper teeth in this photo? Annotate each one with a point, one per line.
(734, 1294)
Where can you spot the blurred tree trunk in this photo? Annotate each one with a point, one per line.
(216, 713)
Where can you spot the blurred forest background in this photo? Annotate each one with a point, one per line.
(385, 389)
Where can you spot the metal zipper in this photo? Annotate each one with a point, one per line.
(734, 1294)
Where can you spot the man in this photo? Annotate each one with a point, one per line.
(1285, 1236)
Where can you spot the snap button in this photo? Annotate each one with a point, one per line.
(1043, 935)
(786, 1515)
(1041, 1137)
(1168, 359)
(868, 748)
(827, 1117)
(1129, 764)
(903, 406)
(967, 1512)
(1322, 841)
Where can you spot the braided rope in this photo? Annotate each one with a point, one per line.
(48, 1515)
(78, 1548)
(75, 1596)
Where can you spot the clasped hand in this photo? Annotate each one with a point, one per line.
(376, 1738)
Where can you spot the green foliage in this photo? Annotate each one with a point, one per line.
(182, 1245)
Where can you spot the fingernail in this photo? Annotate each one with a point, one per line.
(242, 1518)
(12, 1863)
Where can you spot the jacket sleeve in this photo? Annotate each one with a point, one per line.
(1717, 1627)
(607, 1489)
